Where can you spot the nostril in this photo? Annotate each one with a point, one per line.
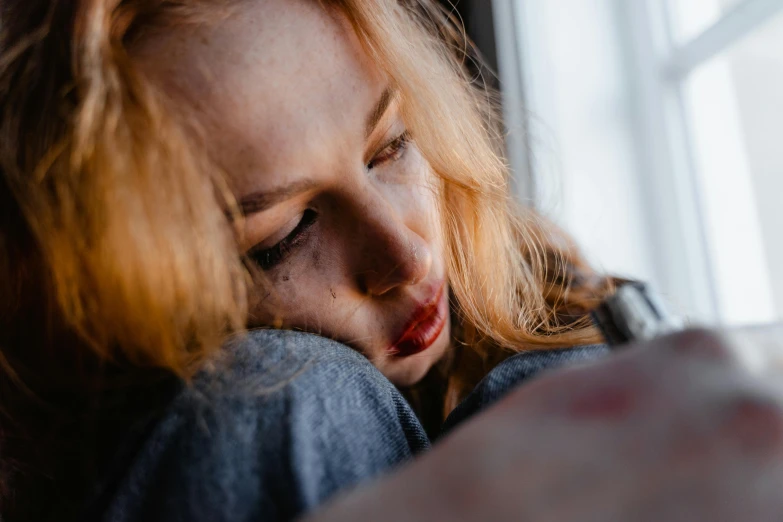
(398, 267)
(382, 284)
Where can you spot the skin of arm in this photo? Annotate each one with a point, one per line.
(679, 428)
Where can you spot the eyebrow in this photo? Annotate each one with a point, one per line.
(260, 201)
(388, 96)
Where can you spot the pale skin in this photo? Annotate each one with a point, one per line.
(310, 134)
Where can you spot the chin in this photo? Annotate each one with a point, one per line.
(413, 372)
(406, 372)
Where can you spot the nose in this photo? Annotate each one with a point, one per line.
(392, 255)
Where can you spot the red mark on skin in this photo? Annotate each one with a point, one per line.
(611, 403)
(757, 427)
(702, 344)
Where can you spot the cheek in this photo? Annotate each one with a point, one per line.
(299, 303)
(292, 288)
(300, 293)
(313, 292)
(414, 194)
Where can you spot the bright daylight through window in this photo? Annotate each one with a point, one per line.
(652, 130)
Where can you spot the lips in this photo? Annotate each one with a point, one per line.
(424, 327)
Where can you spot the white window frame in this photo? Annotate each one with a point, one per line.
(657, 67)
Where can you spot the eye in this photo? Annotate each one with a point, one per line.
(268, 258)
(392, 151)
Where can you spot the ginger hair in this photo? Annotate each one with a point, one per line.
(118, 250)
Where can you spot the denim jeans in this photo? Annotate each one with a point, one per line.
(287, 421)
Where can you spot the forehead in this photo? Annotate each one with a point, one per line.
(276, 85)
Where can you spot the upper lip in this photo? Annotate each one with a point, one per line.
(422, 314)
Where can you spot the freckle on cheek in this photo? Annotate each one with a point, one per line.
(286, 278)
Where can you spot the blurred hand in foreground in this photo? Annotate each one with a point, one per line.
(686, 427)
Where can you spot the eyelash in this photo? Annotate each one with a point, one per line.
(271, 257)
(393, 151)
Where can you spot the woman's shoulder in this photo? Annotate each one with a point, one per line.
(515, 370)
(281, 423)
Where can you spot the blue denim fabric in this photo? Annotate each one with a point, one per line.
(514, 371)
(292, 420)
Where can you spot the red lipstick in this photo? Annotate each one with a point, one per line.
(424, 326)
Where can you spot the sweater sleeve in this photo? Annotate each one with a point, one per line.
(289, 422)
(513, 372)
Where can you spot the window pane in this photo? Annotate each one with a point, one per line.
(734, 104)
(689, 18)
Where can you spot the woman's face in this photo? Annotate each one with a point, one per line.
(340, 205)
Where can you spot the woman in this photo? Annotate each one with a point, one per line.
(177, 171)
(370, 189)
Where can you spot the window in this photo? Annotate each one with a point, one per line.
(653, 131)
(689, 18)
